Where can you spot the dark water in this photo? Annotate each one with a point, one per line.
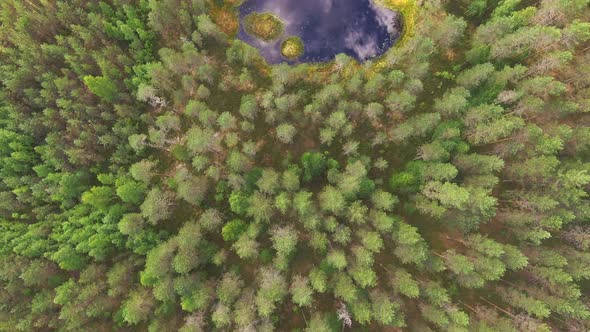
(359, 28)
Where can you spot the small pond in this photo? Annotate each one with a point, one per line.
(360, 28)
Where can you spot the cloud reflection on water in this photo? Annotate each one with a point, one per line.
(358, 28)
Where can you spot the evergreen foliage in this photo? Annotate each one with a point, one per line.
(156, 174)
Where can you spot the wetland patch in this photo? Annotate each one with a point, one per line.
(362, 29)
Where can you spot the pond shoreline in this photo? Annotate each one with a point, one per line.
(363, 30)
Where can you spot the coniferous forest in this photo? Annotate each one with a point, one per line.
(157, 174)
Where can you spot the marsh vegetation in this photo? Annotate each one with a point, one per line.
(265, 26)
(292, 48)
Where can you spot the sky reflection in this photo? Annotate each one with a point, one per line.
(359, 28)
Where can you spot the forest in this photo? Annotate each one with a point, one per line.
(157, 174)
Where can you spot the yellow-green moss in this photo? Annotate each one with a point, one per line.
(409, 10)
(292, 48)
(265, 26)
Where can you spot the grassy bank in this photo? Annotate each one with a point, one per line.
(409, 11)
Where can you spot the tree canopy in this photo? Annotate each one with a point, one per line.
(156, 174)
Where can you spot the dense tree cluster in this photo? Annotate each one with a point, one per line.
(158, 175)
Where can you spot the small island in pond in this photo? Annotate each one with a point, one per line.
(292, 48)
(265, 26)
